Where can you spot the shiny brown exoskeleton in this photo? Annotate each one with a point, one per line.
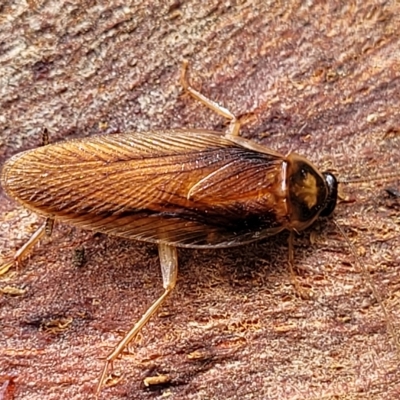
(187, 189)
(176, 188)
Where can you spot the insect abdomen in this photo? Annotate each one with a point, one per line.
(159, 186)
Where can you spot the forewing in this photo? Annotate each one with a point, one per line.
(193, 189)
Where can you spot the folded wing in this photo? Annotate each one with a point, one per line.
(187, 188)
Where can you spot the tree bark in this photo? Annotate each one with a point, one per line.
(318, 78)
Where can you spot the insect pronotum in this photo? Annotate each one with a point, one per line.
(176, 188)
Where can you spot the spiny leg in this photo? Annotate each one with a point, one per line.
(234, 124)
(293, 278)
(45, 137)
(45, 229)
(169, 269)
(26, 247)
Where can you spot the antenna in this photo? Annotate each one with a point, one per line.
(375, 292)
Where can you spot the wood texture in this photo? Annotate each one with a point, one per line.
(318, 78)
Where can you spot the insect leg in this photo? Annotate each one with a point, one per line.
(169, 269)
(301, 292)
(45, 137)
(234, 124)
(44, 229)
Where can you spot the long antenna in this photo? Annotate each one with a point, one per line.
(376, 294)
(387, 176)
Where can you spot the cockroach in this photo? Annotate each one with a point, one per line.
(176, 188)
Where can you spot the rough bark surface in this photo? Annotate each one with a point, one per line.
(319, 78)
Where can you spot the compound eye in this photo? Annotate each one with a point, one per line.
(330, 202)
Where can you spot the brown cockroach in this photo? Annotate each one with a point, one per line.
(176, 188)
